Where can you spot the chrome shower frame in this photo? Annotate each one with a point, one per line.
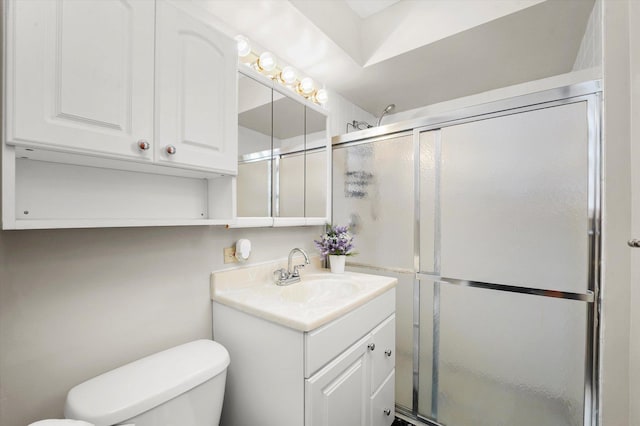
(589, 92)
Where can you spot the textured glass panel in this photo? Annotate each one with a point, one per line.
(254, 141)
(373, 192)
(425, 378)
(253, 187)
(316, 184)
(404, 333)
(514, 199)
(510, 359)
(428, 163)
(292, 185)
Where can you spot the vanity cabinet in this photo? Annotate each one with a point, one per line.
(143, 81)
(341, 373)
(357, 388)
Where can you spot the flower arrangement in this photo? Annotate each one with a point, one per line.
(336, 241)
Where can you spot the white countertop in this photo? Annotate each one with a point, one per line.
(320, 297)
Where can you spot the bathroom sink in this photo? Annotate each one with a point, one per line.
(317, 299)
(320, 289)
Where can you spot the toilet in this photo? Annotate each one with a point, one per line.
(182, 386)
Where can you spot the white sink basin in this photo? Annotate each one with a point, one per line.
(320, 288)
(318, 298)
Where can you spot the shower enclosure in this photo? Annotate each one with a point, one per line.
(490, 220)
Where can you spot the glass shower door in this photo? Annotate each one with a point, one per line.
(506, 254)
(373, 192)
(491, 226)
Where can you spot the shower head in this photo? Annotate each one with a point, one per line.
(387, 110)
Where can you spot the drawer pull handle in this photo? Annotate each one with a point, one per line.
(371, 346)
(387, 412)
(388, 352)
(171, 149)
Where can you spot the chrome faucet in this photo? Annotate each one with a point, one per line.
(289, 276)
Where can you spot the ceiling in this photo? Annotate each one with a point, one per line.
(412, 52)
(366, 8)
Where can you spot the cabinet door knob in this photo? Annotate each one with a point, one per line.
(387, 412)
(371, 346)
(388, 352)
(171, 149)
(634, 243)
(143, 145)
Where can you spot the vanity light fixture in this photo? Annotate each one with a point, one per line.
(288, 76)
(306, 87)
(266, 63)
(321, 96)
(244, 47)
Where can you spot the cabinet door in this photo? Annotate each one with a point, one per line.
(196, 83)
(80, 75)
(383, 353)
(383, 402)
(338, 395)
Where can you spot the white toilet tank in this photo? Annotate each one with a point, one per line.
(182, 386)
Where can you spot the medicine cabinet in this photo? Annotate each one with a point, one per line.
(283, 162)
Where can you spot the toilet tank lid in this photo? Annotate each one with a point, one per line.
(137, 387)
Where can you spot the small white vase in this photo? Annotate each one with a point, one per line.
(336, 261)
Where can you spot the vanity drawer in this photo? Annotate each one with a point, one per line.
(384, 353)
(328, 341)
(383, 402)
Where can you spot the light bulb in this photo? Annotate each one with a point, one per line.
(306, 86)
(243, 45)
(267, 62)
(321, 96)
(288, 75)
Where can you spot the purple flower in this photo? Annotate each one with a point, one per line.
(337, 241)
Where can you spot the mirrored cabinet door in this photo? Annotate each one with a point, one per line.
(316, 171)
(288, 154)
(283, 165)
(254, 185)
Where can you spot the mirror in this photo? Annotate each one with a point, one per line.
(282, 156)
(316, 164)
(254, 148)
(288, 156)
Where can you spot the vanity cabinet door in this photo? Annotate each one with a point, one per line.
(81, 76)
(339, 393)
(383, 402)
(383, 354)
(196, 84)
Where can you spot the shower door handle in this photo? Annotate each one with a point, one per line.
(635, 243)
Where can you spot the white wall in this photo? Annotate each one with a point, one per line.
(343, 112)
(634, 357)
(590, 52)
(76, 303)
(497, 94)
(614, 374)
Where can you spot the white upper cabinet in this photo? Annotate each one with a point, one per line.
(80, 76)
(196, 83)
(142, 80)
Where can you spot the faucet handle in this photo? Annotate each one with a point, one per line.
(295, 272)
(280, 275)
